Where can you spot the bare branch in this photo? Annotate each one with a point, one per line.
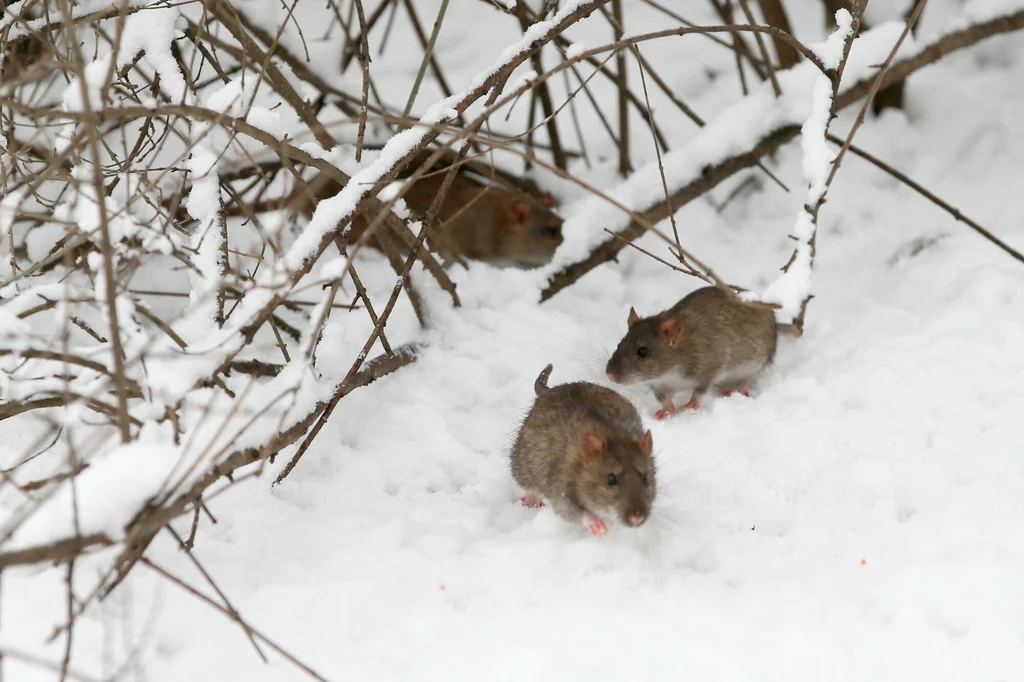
(712, 175)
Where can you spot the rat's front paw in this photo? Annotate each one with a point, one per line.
(595, 525)
(531, 501)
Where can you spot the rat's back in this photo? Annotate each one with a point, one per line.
(550, 437)
(734, 332)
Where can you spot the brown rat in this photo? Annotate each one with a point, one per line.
(485, 222)
(479, 221)
(710, 338)
(583, 448)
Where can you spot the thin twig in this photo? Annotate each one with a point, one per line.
(543, 94)
(749, 155)
(930, 196)
(661, 165)
(364, 60)
(763, 49)
(625, 167)
(875, 86)
(248, 628)
(230, 610)
(428, 53)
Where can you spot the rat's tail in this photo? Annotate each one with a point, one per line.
(541, 384)
(789, 330)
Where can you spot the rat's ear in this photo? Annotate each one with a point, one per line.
(646, 443)
(549, 200)
(593, 445)
(633, 317)
(670, 329)
(521, 214)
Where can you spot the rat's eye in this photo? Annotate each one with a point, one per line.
(645, 479)
(612, 480)
(642, 351)
(551, 232)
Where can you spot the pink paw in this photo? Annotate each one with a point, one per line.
(744, 391)
(692, 405)
(531, 501)
(725, 393)
(595, 525)
(664, 414)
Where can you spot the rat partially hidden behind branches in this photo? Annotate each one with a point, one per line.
(479, 219)
(485, 222)
(709, 339)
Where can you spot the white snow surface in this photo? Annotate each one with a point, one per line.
(107, 493)
(857, 519)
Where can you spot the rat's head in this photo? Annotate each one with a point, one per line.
(647, 351)
(617, 475)
(532, 232)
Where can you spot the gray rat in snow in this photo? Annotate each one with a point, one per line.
(584, 449)
(709, 338)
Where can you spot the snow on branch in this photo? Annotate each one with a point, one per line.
(759, 124)
(187, 418)
(793, 289)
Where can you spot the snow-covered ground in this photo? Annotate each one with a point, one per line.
(857, 519)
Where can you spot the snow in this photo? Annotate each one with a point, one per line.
(11, 326)
(9, 208)
(204, 197)
(734, 130)
(831, 51)
(107, 494)
(976, 11)
(95, 75)
(858, 515)
(152, 32)
(333, 269)
(267, 120)
(13, 14)
(524, 79)
(817, 155)
(204, 203)
(232, 97)
(574, 50)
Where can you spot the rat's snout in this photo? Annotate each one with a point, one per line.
(636, 517)
(612, 370)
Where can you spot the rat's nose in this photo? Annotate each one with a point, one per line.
(613, 375)
(636, 518)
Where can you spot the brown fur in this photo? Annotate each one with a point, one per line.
(573, 438)
(486, 223)
(481, 222)
(707, 339)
